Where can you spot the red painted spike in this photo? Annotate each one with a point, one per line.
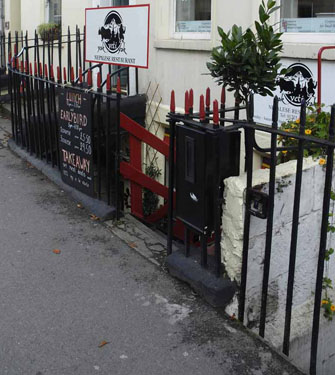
(17, 64)
(45, 71)
(22, 67)
(31, 69)
(89, 78)
(59, 76)
(26, 69)
(41, 70)
(202, 108)
(108, 82)
(80, 75)
(223, 95)
(64, 74)
(52, 76)
(35, 68)
(21, 88)
(191, 99)
(15, 49)
(118, 85)
(99, 80)
(10, 58)
(187, 103)
(72, 74)
(216, 112)
(208, 97)
(172, 102)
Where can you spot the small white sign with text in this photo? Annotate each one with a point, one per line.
(118, 35)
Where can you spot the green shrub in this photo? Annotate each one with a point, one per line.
(317, 125)
(248, 61)
(49, 31)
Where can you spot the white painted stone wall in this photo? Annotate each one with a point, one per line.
(306, 264)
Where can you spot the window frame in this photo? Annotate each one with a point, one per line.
(188, 35)
(309, 38)
(47, 12)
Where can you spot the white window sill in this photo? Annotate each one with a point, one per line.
(307, 51)
(191, 45)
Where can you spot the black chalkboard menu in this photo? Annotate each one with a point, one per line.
(75, 139)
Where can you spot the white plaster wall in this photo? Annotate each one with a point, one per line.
(31, 19)
(306, 263)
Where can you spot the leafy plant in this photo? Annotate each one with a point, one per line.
(150, 199)
(317, 125)
(249, 61)
(49, 31)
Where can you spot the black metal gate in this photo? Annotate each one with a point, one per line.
(257, 203)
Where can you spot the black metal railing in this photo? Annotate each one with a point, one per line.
(213, 119)
(36, 72)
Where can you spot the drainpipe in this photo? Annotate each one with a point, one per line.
(320, 73)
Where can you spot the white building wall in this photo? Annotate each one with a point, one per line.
(306, 264)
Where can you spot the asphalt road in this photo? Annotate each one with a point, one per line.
(56, 309)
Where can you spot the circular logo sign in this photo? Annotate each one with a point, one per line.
(112, 33)
(297, 85)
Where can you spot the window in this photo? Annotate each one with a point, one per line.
(308, 16)
(193, 16)
(55, 11)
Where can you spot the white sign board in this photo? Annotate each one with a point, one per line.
(118, 35)
(300, 83)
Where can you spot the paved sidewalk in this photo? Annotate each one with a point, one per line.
(56, 309)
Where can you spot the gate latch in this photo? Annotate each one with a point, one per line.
(259, 203)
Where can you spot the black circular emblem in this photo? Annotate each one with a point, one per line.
(297, 85)
(112, 33)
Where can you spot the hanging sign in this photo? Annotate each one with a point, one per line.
(75, 139)
(118, 35)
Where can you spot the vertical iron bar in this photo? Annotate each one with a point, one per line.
(187, 241)
(60, 52)
(77, 51)
(44, 122)
(25, 102)
(19, 105)
(269, 226)
(84, 49)
(35, 125)
(117, 154)
(37, 46)
(43, 55)
(38, 112)
(237, 110)
(136, 77)
(49, 127)
(99, 119)
(203, 259)
(52, 49)
(27, 49)
(10, 87)
(108, 147)
(323, 244)
(128, 91)
(49, 56)
(29, 111)
(171, 184)
(69, 57)
(15, 133)
(56, 136)
(249, 135)
(294, 233)
(217, 209)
